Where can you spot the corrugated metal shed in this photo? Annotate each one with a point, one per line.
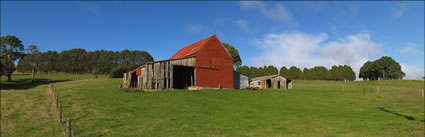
(240, 81)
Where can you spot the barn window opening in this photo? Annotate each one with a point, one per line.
(183, 77)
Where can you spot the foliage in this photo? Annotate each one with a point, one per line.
(82, 61)
(338, 73)
(11, 49)
(237, 61)
(294, 73)
(341, 73)
(120, 70)
(253, 72)
(383, 68)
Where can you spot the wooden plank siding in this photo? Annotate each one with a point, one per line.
(158, 75)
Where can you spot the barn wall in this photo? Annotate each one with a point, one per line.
(159, 75)
(255, 84)
(214, 66)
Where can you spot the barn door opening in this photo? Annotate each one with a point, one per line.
(183, 77)
(269, 83)
(133, 80)
(278, 84)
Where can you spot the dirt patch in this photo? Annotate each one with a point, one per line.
(252, 88)
(135, 90)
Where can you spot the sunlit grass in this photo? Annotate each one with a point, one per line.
(312, 108)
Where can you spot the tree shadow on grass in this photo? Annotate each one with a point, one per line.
(398, 114)
(26, 83)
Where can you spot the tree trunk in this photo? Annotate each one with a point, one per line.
(32, 72)
(9, 77)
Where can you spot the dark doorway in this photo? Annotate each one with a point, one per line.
(269, 83)
(183, 77)
(133, 80)
(278, 84)
(287, 83)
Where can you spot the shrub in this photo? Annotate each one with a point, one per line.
(118, 71)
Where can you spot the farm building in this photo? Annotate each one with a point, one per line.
(240, 81)
(272, 81)
(205, 63)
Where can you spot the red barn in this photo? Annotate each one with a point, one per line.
(205, 63)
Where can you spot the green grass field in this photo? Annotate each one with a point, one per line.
(313, 108)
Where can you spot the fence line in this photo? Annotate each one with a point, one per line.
(52, 91)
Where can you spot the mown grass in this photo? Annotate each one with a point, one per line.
(313, 108)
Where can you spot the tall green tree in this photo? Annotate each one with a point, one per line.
(284, 72)
(49, 61)
(319, 73)
(34, 60)
(237, 61)
(11, 49)
(348, 73)
(307, 74)
(295, 73)
(70, 61)
(383, 68)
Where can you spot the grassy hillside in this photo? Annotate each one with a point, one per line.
(312, 108)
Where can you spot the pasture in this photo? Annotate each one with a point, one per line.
(312, 108)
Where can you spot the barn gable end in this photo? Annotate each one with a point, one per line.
(214, 65)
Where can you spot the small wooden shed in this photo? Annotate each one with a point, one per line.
(271, 81)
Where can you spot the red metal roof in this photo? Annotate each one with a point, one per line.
(192, 49)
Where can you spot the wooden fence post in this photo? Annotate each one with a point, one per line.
(57, 101)
(422, 93)
(68, 127)
(377, 90)
(60, 113)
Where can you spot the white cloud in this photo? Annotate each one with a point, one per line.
(194, 28)
(413, 71)
(409, 50)
(278, 12)
(400, 12)
(244, 26)
(306, 50)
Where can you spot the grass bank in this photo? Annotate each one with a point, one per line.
(312, 108)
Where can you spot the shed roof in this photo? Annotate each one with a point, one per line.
(192, 49)
(265, 77)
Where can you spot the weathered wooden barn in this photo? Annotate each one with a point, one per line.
(205, 63)
(272, 81)
(240, 81)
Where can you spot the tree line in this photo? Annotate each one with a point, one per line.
(75, 61)
(337, 73)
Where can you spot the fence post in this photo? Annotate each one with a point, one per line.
(68, 127)
(60, 113)
(377, 90)
(422, 93)
(57, 102)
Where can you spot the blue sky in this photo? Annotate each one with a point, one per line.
(303, 34)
